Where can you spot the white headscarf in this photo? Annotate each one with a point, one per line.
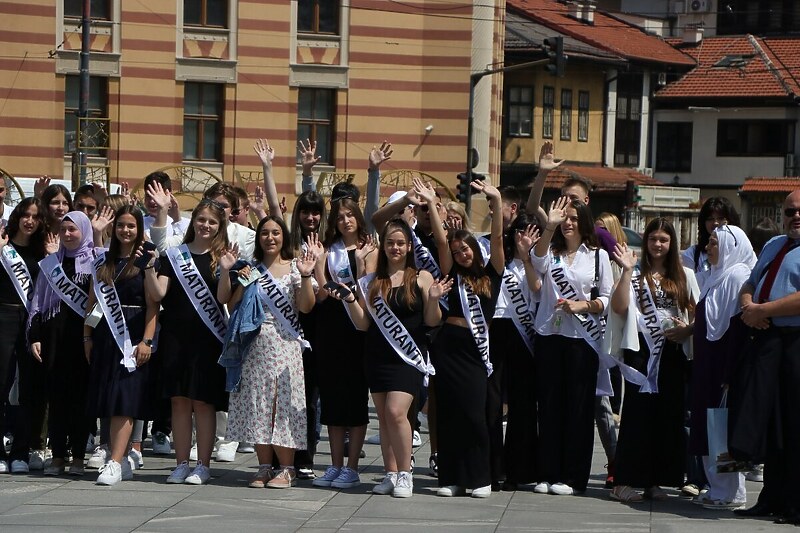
(721, 288)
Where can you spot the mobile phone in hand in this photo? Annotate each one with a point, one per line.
(341, 292)
(141, 262)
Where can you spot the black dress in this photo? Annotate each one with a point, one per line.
(339, 353)
(385, 370)
(113, 391)
(189, 350)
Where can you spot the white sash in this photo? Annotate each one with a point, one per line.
(339, 269)
(471, 307)
(196, 289)
(589, 326)
(18, 273)
(64, 287)
(425, 261)
(394, 331)
(109, 302)
(650, 328)
(519, 308)
(279, 305)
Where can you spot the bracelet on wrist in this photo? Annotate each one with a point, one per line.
(306, 277)
(350, 301)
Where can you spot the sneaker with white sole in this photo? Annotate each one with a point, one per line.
(161, 444)
(347, 479)
(305, 472)
(756, 474)
(136, 459)
(18, 466)
(561, 489)
(404, 487)
(374, 439)
(99, 457)
(325, 480)
(110, 473)
(193, 452)
(543, 487)
(423, 420)
(245, 447)
(4, 467)
(450, 491)
(387, 485)
(416, 439)
(482, 492)
(180, 473)
(199, 476)
(36, 460)
(226, 452)
(90, 446)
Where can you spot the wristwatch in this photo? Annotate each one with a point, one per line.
(148, 342)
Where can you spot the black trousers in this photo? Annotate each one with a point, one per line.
(68, 382)
(12, 349)
(305, 458)
(512, 381)
(566, 381)
(765, 397)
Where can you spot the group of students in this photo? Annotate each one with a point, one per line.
(113, 314)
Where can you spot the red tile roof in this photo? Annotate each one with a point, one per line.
(607, 33)
(770, 68)
(764, 184)
(604, 179)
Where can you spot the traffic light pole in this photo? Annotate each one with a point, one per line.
(473, 82)
(83, 101)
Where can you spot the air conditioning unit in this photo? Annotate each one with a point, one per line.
(698, 6)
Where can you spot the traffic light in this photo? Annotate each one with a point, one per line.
(463, 188)
(554, 48)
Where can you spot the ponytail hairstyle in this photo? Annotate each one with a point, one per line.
(673, 283)
(381, 284)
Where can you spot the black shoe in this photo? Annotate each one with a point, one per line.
(509, 486)
(497, 486)
(793, 519)
(759, 509)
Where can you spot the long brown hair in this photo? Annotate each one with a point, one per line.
(220, 241)
(107, 272)
(585, 228)
(332, 232)
(673, 283)
(381, 284)
(474, 276)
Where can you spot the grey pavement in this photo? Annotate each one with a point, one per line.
(32, 503)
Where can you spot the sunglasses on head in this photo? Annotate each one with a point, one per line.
(213, 203)
(789, 212)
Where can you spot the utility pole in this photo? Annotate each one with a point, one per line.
(83, 104)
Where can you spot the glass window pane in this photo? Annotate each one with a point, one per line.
(71, 91)
(70, 133)
(305, 15)
(192, 12)
(304, 103)
(210, 99)
(217, 13)
(210, 129)
(513, 95)
(526, 95)
(191, 99)
(322, 107)
(323, 143)
(97, 94)
(190, 139)
(328, 16)
(100, 9)
(73, 8)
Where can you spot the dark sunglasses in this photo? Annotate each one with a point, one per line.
(789, 212)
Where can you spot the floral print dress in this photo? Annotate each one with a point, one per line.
(270, 406)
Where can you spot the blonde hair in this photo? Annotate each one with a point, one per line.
(458, 208)
(613, 226)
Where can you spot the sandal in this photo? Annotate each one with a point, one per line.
(625, 494)
(655, 493)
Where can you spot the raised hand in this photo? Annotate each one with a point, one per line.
(525, 240)
(306, 263)
(308, 155)
(378, 155)
(424, 192)
(365, 249)
(453, 224)
(126, 192)
(547, 160)
(174, 211)
(100, 192)
(282, 205)
(489, 190)
(440, 288)
(314, 245)
(161, 197)
(229, 257)
(266, 153)
(152, 253)
(51, 243)
(41, 184)
(102, 219)
(558, 211)
(625, 257)
(257, 203)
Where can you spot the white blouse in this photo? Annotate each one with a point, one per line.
(501, 310)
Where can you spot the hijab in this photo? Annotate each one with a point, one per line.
(725, 279)
(46, 302)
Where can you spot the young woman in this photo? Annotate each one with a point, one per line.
(576, 285)
(56, 326)
(57, 201)
(396, 362)
(267, 405)
(121, 392)
(651, 448)
(22, 243)
(512, 454)
(718, 335)
(190, 340)
(460, 352)
(339, 347)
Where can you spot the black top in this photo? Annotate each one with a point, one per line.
(8, 294)
(176, 304)
(66, 320)
(488, 303)
(412, 318)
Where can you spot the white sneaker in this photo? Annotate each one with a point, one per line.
(110, 473)
(416, 440)
(99, 457)
(180, 473)
(226, 452)
(199, 476)
(756, 474)
(404, 487)
(374, 439)
(246, 447)
(127, 469)
(18, 466)
(387, 485)
(542, 488)
(136, 459)
(423, 420)
(482, 492)
(561, 489)
(161, 444)
(193, 453)
(4, 467)
(36, 460)
(450, 490)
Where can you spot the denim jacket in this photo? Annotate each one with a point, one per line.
(243, 326)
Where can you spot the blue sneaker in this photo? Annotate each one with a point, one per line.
(330, 475)
(348, 478)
